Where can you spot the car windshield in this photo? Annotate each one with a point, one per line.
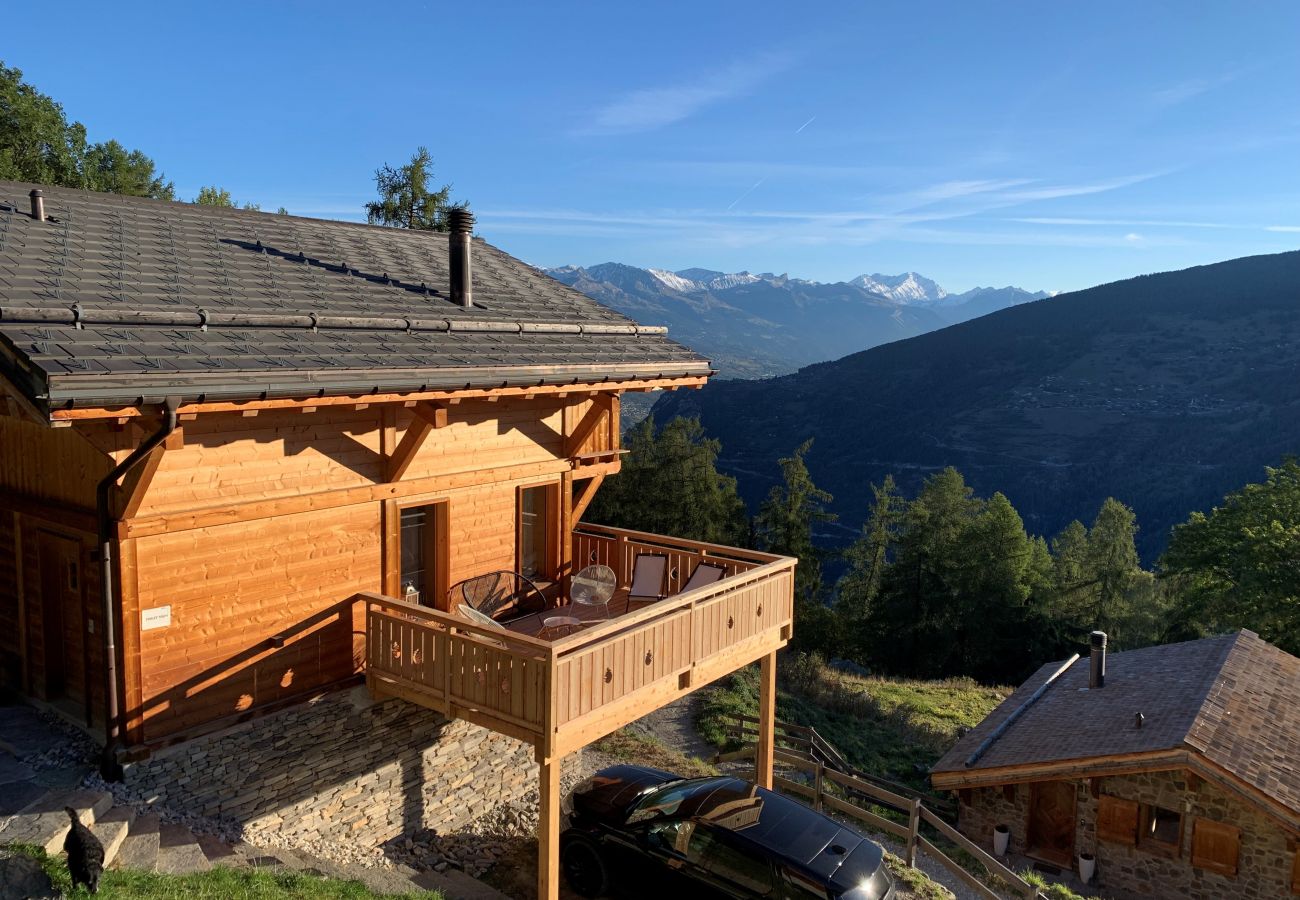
(666, 800)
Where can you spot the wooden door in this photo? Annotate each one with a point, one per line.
(62, 616)
(1049, 834)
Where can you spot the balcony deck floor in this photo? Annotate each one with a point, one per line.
(619, 605)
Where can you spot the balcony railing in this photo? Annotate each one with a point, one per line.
(560, 695)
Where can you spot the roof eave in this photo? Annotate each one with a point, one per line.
(100, 390)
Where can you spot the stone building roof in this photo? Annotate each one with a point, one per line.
(116, 299)
(1232, 700)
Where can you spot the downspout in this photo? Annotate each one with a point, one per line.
(109, 767)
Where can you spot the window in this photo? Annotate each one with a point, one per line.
(1117, 820)
(537, 544)
(423, 566)
(1162, 829)
(729, 864)
(1215, 846)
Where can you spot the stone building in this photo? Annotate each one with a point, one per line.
(1170, 770)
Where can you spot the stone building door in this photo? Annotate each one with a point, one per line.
(1049, 834)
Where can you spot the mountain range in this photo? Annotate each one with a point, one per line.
(1165, 391)
(753, 326)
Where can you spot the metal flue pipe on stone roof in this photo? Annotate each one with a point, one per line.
(38, 204)
(1097, 660)
(460, 221)
(109, 767)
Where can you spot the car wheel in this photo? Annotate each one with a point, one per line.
(584, 867)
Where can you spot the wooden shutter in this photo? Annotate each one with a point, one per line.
(1215, 846)
(1295, 872)
(1117, 820)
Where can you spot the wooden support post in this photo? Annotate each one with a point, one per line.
(817, 787)
(548, 829)
(766, 748)
(913, 831)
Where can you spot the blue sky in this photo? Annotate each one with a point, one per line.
(1048, 145)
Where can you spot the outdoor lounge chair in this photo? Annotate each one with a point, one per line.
(649, 577)
(705, 573)
(502, 595)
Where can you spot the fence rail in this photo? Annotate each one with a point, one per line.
(850, 795)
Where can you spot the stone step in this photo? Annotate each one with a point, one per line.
(179, 852)
(112, 828)
(140, 848)
(45, 824)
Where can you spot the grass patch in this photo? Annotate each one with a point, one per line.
(913, 883)
(218, 884)
(894, 728)
(1050, 889)
(645, 750)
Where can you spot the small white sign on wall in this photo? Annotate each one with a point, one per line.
(158, 617)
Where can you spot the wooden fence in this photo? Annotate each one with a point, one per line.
(830, 790)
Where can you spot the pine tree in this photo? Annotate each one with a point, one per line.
(868, 558)
(785, 522)
(406, 199)
(1113, 566)
(669, 484)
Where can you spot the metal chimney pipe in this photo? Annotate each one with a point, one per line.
(460, 221)
(38, 204)
(1097, 669)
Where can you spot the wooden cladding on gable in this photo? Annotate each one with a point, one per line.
(1117, 820)
(1215, 846)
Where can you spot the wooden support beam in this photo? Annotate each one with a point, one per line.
(136, 485)
(18, 406)
(765, 751)
(404, 454)
(548, 829)
(586, 426)
(584, 498)
(434, 413)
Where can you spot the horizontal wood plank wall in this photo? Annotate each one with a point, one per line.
(482, 435)
(12, 616)
(278, 453)
(233, 588)
(49, 463)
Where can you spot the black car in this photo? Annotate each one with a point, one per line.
(644, 832)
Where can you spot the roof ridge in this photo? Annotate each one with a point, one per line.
(1201, 721)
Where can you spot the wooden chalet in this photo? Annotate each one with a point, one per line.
(1170, 770)
(244, 457)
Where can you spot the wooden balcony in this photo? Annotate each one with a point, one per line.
(561, 695)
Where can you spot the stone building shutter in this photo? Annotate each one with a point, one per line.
(1117, 820)
(1295, 873)
(1215, 846)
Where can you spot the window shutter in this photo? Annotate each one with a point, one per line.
(1295, 873)
(1117, 820)
(1215, 846)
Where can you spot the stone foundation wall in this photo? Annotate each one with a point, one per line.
(1130, 873)
(342, 767)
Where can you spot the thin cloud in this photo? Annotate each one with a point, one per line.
(647, 109)
(1190, 89)
(804, 125)
(1288, 229)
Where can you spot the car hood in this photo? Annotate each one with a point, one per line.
(610, 793)
(862, 863)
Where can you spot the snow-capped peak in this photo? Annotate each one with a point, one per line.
(673, 281)
(906, 288)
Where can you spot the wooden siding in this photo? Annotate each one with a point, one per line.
(231, 590)
(13, 645)
(49, 463)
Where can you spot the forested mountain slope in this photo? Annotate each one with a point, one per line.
(1164, 391)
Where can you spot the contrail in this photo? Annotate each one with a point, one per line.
(804, 125)
(747, 193)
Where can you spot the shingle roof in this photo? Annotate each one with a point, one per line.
(115, 298)
(1233, 699)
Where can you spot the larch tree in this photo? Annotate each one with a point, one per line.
(407, 198)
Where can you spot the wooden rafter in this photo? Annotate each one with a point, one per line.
(14, 403)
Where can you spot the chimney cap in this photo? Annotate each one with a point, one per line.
(35, 192)
(1098, 639)
(460, 220)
